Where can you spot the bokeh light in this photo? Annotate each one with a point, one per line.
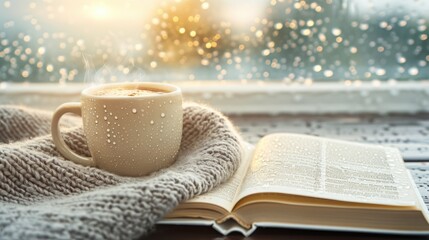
(272, 40)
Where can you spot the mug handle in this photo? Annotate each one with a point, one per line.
(72, 107)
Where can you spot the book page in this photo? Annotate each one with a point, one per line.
(225, 194)
(331, 169)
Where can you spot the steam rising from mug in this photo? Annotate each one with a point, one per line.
(126, 72)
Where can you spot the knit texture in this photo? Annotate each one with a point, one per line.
(44, 196)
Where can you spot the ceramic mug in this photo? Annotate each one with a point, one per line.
(129, 135)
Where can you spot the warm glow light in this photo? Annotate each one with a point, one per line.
(249, 10)
(100, 12)
(113, 10)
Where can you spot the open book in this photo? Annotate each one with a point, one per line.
(299, 181)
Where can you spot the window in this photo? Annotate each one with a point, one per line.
(279, 40)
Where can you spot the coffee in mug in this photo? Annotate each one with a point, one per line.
(125, 92)
(132, 129)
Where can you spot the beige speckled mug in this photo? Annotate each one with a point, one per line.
(132, 129)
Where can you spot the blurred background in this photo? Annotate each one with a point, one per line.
(287, 41)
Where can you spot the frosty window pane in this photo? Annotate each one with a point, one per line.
(277, 40)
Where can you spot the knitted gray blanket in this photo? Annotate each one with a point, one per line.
(44, 196)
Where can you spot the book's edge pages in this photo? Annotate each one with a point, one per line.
(420, 202)
(231, 226)
(228, 227)
(223, 228)
(186, 221)
(338, 229)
